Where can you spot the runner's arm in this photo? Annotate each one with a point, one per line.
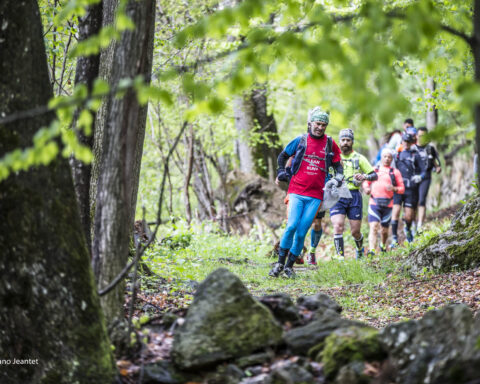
(372, 176)
(400, 187)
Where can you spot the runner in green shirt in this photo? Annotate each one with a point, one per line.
(356, 169)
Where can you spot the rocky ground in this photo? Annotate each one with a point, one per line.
(227, 336)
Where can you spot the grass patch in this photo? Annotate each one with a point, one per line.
(362, 287)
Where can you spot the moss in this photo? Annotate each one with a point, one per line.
(348, 345)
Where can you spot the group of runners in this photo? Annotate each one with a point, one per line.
(313, 164)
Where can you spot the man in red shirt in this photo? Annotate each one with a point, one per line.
(313, 154)
(381, 200)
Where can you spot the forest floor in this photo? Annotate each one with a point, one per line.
(375, 290)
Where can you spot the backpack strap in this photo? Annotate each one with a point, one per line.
(392, 177)
(391, 173)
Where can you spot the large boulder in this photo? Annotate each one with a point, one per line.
(301, 339)
(457, 248)
(224, 321)
(441, 347)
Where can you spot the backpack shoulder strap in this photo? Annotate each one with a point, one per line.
(392, 177)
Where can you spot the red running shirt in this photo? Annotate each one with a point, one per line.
(310, 179)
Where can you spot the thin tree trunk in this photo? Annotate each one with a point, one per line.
(49, 310)
(86, 73)
(265, 153)
(244, 121)
(119, 136)
(432, 112)
(189, 166)
(476, 56)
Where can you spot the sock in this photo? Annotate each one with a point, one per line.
(408, 225)
(291, 260)
(338, 240)
(395, 229)
(315, 238)
(282, 255)
(359, 242)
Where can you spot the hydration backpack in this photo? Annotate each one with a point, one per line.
(299, 156)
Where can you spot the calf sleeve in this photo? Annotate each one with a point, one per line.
(282, 255)
(338, 241)
(359, 242)
(291, 260)
(395, 228)
(315, 239)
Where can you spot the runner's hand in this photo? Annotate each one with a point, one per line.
(282, 175)
(416, 179)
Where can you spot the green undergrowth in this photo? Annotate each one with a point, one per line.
(186, 255)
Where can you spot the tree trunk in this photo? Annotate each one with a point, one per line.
(243, 112)
(476, 56)
(49, 310)
(86, 73)
(266, 151)
(202, 184)
(432, 112)
(120, 131)
(188, 141)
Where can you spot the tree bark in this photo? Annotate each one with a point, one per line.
(49, 309)
(118, 144)
(265, 152)
(244, 122)
(188, 166)
(86, 73)
(432, 112)
(476, 57)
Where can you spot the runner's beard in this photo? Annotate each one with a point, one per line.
(346, 148)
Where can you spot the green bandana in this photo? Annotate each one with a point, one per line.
(316, 114)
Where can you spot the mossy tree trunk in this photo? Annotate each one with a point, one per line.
(118, 146)
(49, 310)
(258, 145)
(267, 149)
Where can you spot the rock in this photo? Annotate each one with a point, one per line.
(282, 307)
(352, 373)
(125, 345)
(301, 339)
(319, 301)
(457, 248)
(226, 374)
(168, 319)
(256, 359)
(258, 379)
(164, 372)
(224, 321)
(347, 345)
(442, 347)
(290, 373)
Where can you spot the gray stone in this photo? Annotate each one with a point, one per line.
(352, 373)
(290, 373)
(319, 301)
(282, 307)
(164, 372)
(439, 348)
(301, 339)
(226, 374)
(224, 321)
(255, 359)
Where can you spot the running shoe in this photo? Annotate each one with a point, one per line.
(276, 270)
